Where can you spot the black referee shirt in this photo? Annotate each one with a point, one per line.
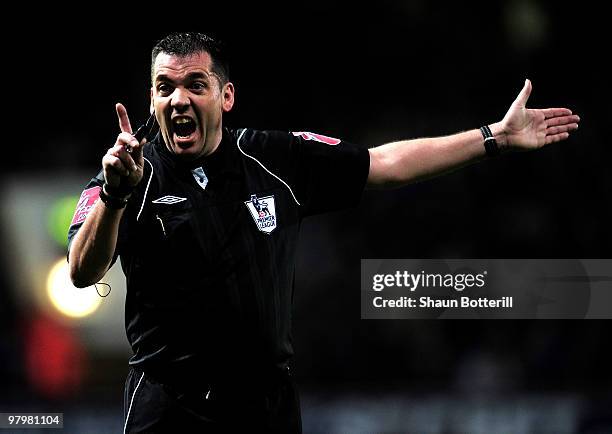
(208, 249)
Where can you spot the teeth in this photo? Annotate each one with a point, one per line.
(182, 120)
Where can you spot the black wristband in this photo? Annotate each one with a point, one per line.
(112, 202)
(490, 143)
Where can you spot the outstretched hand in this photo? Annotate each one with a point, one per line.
(533, 128)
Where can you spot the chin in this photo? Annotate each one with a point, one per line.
(190, 152)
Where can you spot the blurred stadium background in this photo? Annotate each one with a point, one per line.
(369, 74)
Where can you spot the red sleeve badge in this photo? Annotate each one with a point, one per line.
(87, 201)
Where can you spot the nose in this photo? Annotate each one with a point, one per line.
(180, 100)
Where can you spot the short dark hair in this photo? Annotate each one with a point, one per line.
(188, 43)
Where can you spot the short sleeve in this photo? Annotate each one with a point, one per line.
(331, 173)
(325, 174)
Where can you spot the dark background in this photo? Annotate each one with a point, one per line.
(369, 74)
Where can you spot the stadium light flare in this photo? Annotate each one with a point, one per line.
(65, 297)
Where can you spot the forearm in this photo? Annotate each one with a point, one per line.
(400, 163)
(92, 249)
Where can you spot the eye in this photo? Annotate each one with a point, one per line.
(164, 89)
(199, 86)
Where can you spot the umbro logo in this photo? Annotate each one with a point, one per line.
(169, 200)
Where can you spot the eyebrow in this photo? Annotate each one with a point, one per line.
(190, 76)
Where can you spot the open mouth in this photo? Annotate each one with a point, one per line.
(183, 127)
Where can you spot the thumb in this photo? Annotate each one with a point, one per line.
(523, 96)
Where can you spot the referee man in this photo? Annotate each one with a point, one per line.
(205, 220)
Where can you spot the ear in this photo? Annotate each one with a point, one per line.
(228, 96)
(151, 107)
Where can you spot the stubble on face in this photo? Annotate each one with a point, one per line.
(186, 96)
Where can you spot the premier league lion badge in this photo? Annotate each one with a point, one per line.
(263, 211)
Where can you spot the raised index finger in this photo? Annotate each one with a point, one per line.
(124, 121)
